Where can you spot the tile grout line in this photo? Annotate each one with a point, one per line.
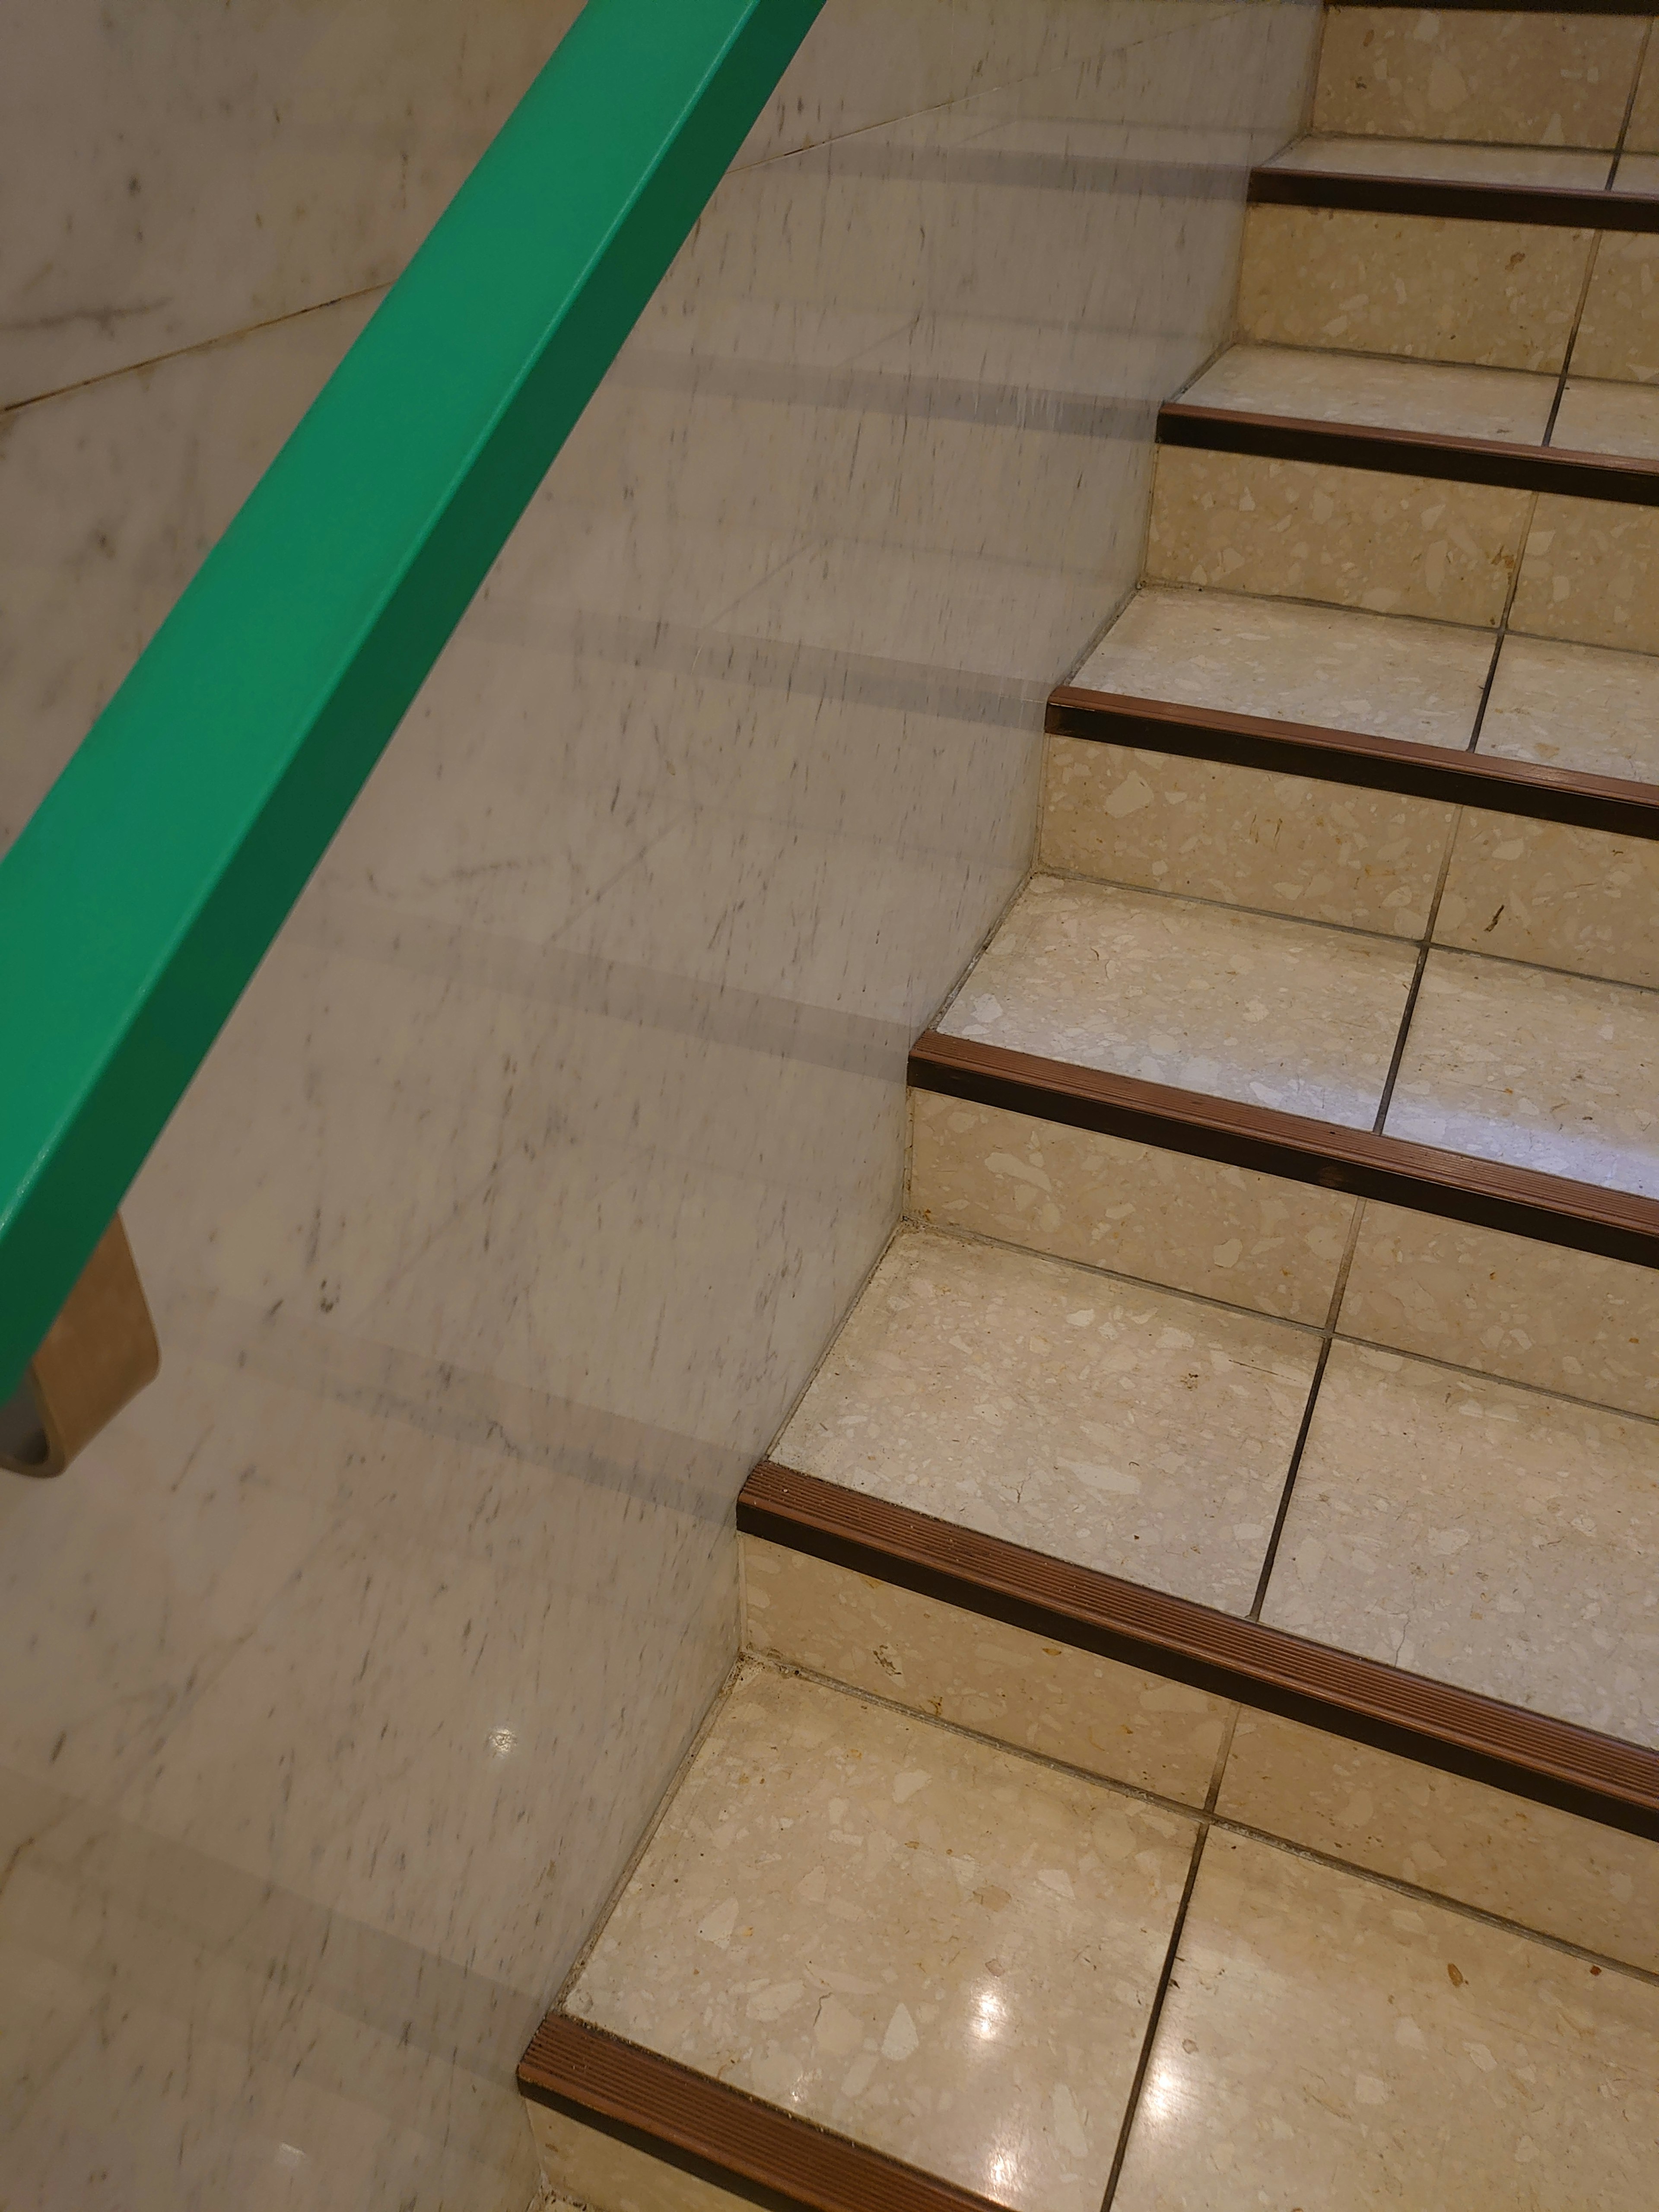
(1618, 153)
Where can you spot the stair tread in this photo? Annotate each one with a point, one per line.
(1332, 667)
(1592, 708)
(1443, 161)
(845, 1907)
(1598, 415)
(1134, 1431)
(1439, 398)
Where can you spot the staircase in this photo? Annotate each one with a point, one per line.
(1198, 1739)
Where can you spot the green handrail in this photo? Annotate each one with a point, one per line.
(152, 879)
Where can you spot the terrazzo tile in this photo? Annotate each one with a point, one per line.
(1278, 1013)
(1419, 395)
(1565, 1320)
(1547, 892)
(1638, 172)
(1126, 1429)
(1481, 1534)
(1575, 706)
(1327, 2042)
(1557, 166)
(1500, 294)
(1253, 1240)
(1619, 331)
(1284, 844)
(946, 1951)
(1386, 675)
(1546, 1869)
(1590, 574)
(1350, 537)
(599, 2172)
(1545, 1071)
(1608, 418)
(956, 1666)
(1521, 80)
(1642, 132)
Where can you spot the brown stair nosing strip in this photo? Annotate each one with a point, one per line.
(1354, 757)
(1572, 207)
(1597, 1777)
(1621, 479)
(1490, 1193)
(718, 2134)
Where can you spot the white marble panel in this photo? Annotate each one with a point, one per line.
(533, 1174)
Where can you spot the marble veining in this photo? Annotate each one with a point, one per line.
(944, 1950)
(1277, 1013)
(1107, 1422)
(1331, 388)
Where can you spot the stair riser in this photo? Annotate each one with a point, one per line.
(1502, 295)
(1530, 80)
(1501, 1305)
(1589, 570)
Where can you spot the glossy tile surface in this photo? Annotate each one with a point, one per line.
(1545, 1071)
(1575, 706)
(945, 1951)
(1522, 80)
(1107, 1423)
(1618, 330)
(1547, 892)
(1609, 418)
(1557, 166)
(1388, 676)
(1283, 843)
(1590, 575)
(1350, 537)
(1526, 1862)
(1476, 1534)
(1277, 1013)
(1253, 1240)
(1443, 289)
(1330, 387)
(1021, 1689)
(1327, 2042)
(1537, 1313)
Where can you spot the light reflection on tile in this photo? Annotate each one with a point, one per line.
(1584, 900)
(1277, 1013)
(1546, 1869)
(1574, 706)
(1549, 1071)
(1125, 1428)
(1386, 675)
(1439, 289)
(946, 1951)
(1438, 158)
(1230, 1233)
(1326, 2041)
(1507, 1305)
(1041, 1696)
(1419, 395)
(1480, 1535)
(1609, 418)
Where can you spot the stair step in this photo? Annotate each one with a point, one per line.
(1443, 400)
(1426, 176)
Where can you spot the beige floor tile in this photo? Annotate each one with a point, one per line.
(1575, 706)
(1546, 891)
(1351, 538)
(1546, 1869)
(1642, 132)
(956, 1666)
(1507, 1305)
(1127, 1429)
(1416, 395)
(1194, 1224)
(1386, 675)
(1368, 859)
(1561, 167)
(589, 2168)
(1590, 575)
(1523, 80)
(1329, 2044)
(1503, 294)
(1549, 1071)
(1608, 418)
(1480, 1535)
(1277, 1013)
(1619, 331)
(946, 1951)
(1638, 172)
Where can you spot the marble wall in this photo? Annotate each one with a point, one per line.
(521, 1194)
